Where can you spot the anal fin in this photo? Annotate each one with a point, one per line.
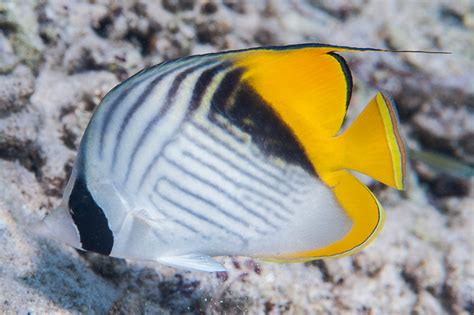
(364, 210)
(197, 262)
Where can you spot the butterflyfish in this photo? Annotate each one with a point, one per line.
(233, 153)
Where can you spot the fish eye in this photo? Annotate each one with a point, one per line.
(90, 220)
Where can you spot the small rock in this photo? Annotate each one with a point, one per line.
(21, 19)
(3, 225)
(15, 89)
(178, 5)
(446, 186)
(93, 54)
(237, 6)
(264, 37)
(209, 7)
(8, 59)
(212, 32)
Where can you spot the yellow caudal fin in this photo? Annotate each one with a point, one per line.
(373, 146)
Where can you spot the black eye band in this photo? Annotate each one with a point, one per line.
(90, 220)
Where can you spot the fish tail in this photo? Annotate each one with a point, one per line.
(372, 144)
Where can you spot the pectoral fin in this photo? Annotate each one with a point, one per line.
(197, 262)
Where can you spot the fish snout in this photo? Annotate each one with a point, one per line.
(41, 229)
(58, 225)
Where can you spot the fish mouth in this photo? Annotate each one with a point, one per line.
(41, 229)
(58, 225)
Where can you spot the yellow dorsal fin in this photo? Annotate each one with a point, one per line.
(307, 86)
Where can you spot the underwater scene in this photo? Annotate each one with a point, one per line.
(236, 157)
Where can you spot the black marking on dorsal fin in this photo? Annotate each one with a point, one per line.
(247, 110)
(347, 74)
(90, 220)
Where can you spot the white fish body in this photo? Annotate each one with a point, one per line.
(185, 161)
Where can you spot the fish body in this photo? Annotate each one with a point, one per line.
(234, 153)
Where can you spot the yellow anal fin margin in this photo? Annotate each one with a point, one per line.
(361, 206)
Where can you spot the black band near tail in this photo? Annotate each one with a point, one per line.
(90, 220)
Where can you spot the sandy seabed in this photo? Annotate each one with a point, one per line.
(58, 58)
